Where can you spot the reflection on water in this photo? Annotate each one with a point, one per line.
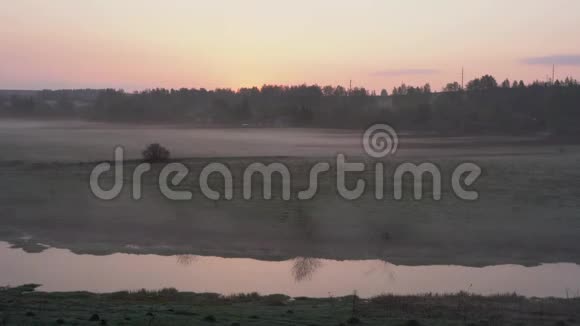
(186, 260)
(303, 268)
(61, 270)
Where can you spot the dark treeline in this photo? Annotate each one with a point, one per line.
(484, 106)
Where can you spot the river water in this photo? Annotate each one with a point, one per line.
(62, 270)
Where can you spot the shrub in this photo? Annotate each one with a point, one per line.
(210, 318)
(412, 322)
(276, 299)
(155, 153)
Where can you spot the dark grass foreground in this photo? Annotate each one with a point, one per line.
(24, 306)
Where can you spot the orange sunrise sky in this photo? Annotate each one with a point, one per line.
(378, 44)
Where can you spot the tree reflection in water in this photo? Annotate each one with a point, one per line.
(186, 260)
(304, 267)
(390, 271)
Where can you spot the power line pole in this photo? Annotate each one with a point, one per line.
(553, 73)
(461, 77)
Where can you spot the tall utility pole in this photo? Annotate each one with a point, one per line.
(461, 77)
(553, 73)
(349, 87)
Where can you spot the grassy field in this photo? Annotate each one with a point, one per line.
(23, 306)
(527, 214)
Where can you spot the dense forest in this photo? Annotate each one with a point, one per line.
(483, 106)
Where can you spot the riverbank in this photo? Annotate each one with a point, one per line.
(25, 306)
(526, 214)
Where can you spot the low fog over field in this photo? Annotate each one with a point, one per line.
(527, 210)
(65, 141)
